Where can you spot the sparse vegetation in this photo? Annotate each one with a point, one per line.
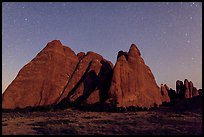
(162, 121)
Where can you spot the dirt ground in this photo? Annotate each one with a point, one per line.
(162, 121)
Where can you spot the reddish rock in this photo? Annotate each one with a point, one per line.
(190, 89)
(133, 83)
(120, 53)
(195, 92)
(57, 76)
(180, 89)
(200, 92)
(171, 93)
(42, 80)
(81, 55)
(86, 79)
(186, 88)
(164, 93)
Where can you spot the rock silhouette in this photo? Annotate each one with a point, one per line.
(57, 77)
(188, 89)
(179, 88)
(183, 90)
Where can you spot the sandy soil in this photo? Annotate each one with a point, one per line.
(162, 121)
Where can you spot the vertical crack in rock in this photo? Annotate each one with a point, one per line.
(62, 92)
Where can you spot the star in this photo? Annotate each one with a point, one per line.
(191, 18)
(193, 4)
(193, 59)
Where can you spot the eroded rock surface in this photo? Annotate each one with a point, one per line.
(42, 80)
(133, 83)
(164, 93)
(59, 77)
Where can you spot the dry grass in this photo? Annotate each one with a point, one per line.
(163, 121)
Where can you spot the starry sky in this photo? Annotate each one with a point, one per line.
(169, 35)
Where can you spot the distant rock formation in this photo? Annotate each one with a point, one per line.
(189, 90)
(179, 88)
(183, 90)
(57, 77)
(133, 83)
(199, 91)
(164, 93)
(195, 92)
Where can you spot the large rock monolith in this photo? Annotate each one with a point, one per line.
(133, 83)
(42, 80)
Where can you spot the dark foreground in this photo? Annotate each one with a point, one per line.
(166, 120)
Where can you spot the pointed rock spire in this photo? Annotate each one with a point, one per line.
(132, 83)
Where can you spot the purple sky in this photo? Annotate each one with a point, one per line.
(169, 35)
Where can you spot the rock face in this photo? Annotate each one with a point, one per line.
(57, 74)
(200, 92)
(186, 90)
(180, 88)
(164, 93)
(42, 80)
(60, 78)
(89, 82)
(183, 90)
(195, 92)
(133, 83)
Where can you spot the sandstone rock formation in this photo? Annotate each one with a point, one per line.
(195, 92)
(133, 83)
(60, 78)
(183, 90)
(188, 90)
(42, 80)
(89, 82)
(57, 74)
(164, 93)
(180, 88)
(200, 92)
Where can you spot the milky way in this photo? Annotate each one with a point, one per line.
(169, 35)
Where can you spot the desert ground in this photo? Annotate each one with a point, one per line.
(166, 120)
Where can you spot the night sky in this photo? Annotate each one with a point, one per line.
(169, 35)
